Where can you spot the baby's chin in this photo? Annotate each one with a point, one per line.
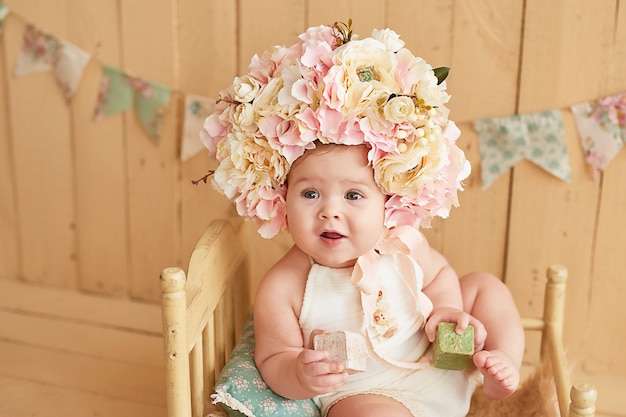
(336, 263)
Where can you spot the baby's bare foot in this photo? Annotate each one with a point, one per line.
(501, 373)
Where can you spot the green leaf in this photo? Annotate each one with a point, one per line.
(441, 73)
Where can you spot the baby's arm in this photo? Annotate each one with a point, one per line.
(287, 362)
(441, 285)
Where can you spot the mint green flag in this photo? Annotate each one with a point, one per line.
(538, 137)
(4, 11)
(115, 94)
(119, 92)
(150, 104)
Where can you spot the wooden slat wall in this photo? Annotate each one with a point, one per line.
(96, 206)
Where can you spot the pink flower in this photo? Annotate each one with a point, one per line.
(334, 128)
(321, 33)
(262, 67)
(283, 135)
(305, 88)
(213, 132)
(276, 218)
(317, 56)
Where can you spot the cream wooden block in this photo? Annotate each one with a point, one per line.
(346, 347)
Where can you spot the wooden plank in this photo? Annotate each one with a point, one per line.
(553, 221)
(566, 46)
(484, 32)
(563, 220)
(82, 338)
(152, 169)
(264, 23)
(608, 279)
(436, 18)
(44, 174)
(99, 149)
(485, 60)
(9, 238)
(474, 237)
(617, 68)
(365, 14)
(83, 373)
(70, 305)
(208, 64)
(17, 400)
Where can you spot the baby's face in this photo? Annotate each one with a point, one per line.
(335, 210)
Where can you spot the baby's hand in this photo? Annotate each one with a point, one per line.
(462, 320)
(316, 373)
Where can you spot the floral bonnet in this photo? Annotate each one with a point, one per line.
(333, 87)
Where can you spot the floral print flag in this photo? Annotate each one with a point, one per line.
(119, 92)
(197, 109)
(602, 129)
(115, 94)
(538, 137)
(44, 52)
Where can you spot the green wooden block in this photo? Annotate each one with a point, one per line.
(451, 350)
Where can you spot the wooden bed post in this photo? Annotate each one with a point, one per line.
(554, 306)
(174, 305)
(552, 338)
(584, 397)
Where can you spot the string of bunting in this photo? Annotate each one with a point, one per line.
(503, 141)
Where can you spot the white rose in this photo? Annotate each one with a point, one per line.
(266, 102)
(405, 173)
(400, 109)
(227, 179)
(389, 38)
(361, 76)
(245, 89)
(243, 116)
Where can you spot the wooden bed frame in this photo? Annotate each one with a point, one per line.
(205, 310)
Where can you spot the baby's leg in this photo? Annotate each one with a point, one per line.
(367, 405)
(489, 300)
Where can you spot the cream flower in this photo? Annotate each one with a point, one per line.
(254, 158)
(405, 173)
(266, 102)
(360, 77)
(243, 116)
(389, 38)
(245, 89)
(400, 109)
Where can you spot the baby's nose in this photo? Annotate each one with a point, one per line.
(329, 211)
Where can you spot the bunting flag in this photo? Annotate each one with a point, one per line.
(4, 11)
(538, 137)
(197, 109)
(602, 130)
(44, 52)
(119, 92)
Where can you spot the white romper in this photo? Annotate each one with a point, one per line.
(331, 302)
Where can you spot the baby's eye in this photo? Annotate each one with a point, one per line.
(353, 195)
(310, 194)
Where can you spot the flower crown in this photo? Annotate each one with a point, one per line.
(332, 87)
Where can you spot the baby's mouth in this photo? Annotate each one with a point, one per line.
(331, 235)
